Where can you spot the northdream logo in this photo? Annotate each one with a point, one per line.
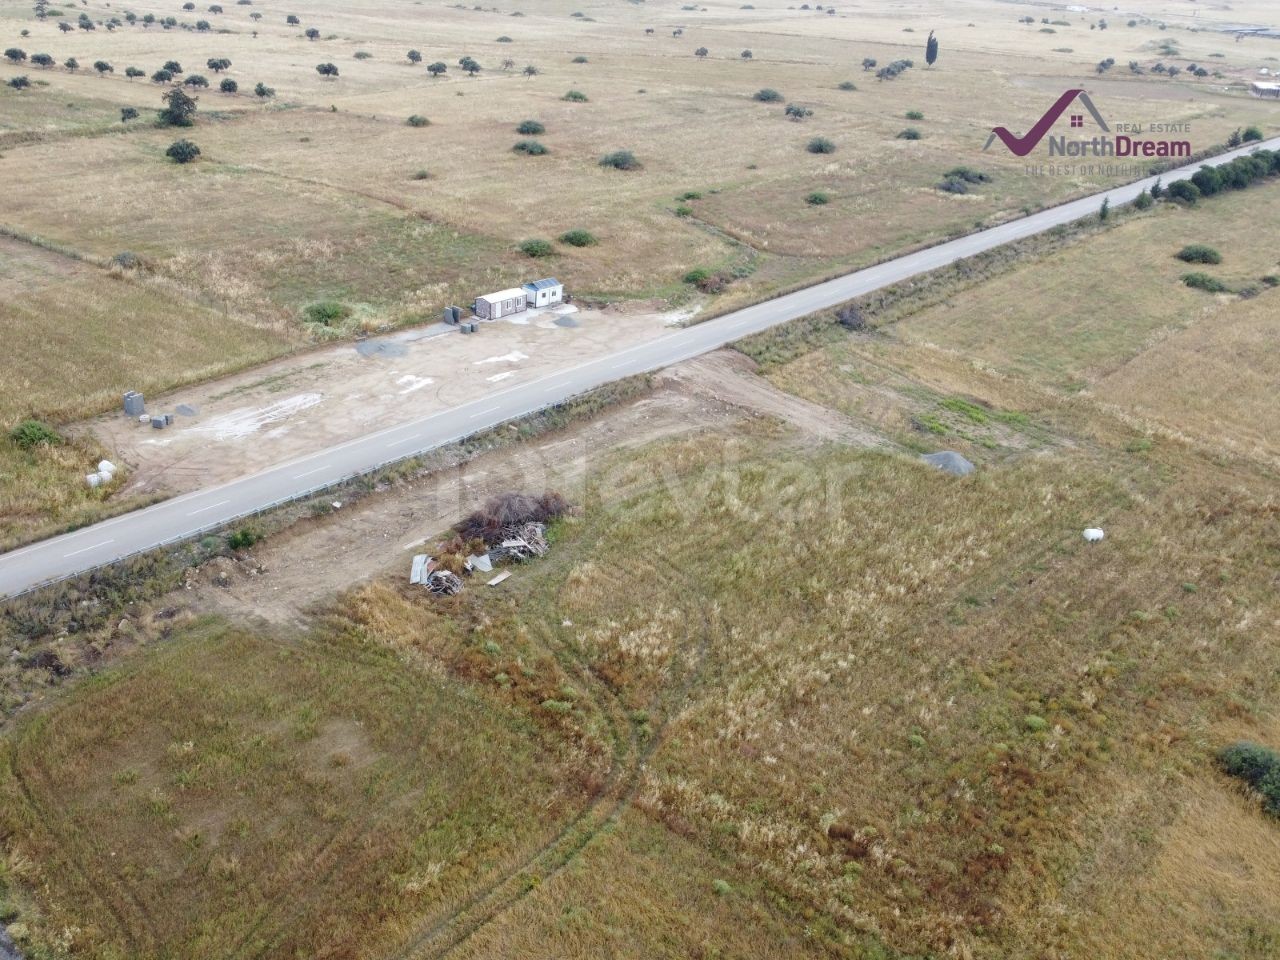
(1099, 146)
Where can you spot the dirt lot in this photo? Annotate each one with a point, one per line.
(229, 427)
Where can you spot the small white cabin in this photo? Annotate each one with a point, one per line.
(544, 293)
(1265, 89)
(493, 306)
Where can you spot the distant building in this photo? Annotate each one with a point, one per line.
(1259, 89)
(543, 293)
(494, 306)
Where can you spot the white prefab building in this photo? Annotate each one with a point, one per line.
(1265, 89)
(493, 306)
(543, 293)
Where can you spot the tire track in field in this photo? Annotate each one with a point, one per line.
(445, 935)
(93, 891)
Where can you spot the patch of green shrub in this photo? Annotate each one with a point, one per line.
(911, 133)
(30, 434)
(846, 85)
(818, 198)
(244, 538)
(327, 312)
(1199, 253)
(530, 128)
(530, 148)
(1257, 766)
(767, 95)
(537, 248)
(820, 145)
(578, 238)
(697, 275)
(1203, 281)
(914, 115)
(417, 120)
(575, 96)
(620, 160)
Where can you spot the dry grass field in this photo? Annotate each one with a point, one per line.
(815, 705)
(260, 798)
(768, 695)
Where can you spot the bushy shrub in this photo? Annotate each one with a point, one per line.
(620, 160)
(818, 198)
(914, 115)
(697, 275)
(1257, 766)
(531, 148)
(767, 95)
(575, 96)
(578, 238)
(1184, 191)
(911, 133)
(820, 145)
(1203, 281)
(1199, 253)
(1143, 201)
(683, 210)
(579, 59)
(326, 312)
(537, 248)
(244, 538)
(32, 433)
(182, 151)
(530, 128)
(417, 120)
(1251, 134)
(846, 85)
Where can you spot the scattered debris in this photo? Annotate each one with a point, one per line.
(420, 567)
(522, 542)
(1093, 534)
(134, 405)
(505, 574)
(950, 462)
(442, 583)
(479, 562)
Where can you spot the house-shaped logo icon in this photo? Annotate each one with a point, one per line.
(1021, 146)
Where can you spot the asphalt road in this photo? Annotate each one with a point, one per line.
(176, 519)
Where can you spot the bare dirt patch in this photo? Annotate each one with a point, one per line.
(304, 403)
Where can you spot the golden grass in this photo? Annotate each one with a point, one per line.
(266, 797)
(1213, 382)
(1072, 319)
